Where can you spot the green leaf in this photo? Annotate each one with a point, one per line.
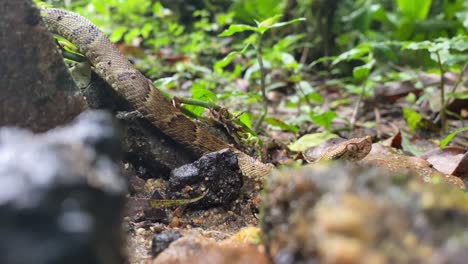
(361, 72)
(459, 43)
(269, 21)
(282, 24)
(162, 82)
(219, 65)
(117, 34)
(360, 52)
(378, 13)
(133, 33)
(247, 10)
(203, 94)
(460, 95)
(199, 91)
(146, 30)
(449, 138)
(159, 10)
(414, 9)
(286, 42)
(322, 59)
(324, 119)
(310, 140)
(235, 29)
(246, 119)
(413, 119)
(417, 45)
(282, 125)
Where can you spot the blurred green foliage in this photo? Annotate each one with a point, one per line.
(352, 43)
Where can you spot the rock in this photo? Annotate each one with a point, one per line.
(36, 89)
(62, 194)
(385, 157)
(350, 214)
(148, 150)
(199, 250)
(215, 175)
(162, 241)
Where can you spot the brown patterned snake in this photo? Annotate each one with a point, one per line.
(130, 84)
(352, 150)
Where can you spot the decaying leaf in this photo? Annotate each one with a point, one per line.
(450, 160)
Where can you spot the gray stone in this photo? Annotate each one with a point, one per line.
(62, 193)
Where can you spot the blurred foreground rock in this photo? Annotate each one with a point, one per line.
(350, 214)
(199, 250)
(61, 193)
(36, 90)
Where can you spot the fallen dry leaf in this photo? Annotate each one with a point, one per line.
(394, 142)
(448, 160)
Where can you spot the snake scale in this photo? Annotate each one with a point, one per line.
(131, 85)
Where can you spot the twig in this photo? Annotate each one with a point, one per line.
(262, 83)
(378, 121)
(443, 120)
(306, 98)
(305, 53)
(460, 78)
(358, 103)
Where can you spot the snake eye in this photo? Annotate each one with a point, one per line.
(351, 147)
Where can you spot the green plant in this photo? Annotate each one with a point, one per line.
(445, 52)
(367, 56)
(449, 138)
(256, 40)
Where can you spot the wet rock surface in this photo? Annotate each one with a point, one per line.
(215, 175)
(349, 214)
(61, 193)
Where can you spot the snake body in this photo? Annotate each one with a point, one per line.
(131, 85)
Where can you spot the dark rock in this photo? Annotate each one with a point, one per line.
(215, 175)
(136, 184)
(36, 89)
(162, 241)
(151, 153)
(349, 214)
(61, 194)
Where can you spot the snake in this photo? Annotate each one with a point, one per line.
(130, 84)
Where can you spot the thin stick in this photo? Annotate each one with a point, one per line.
(262, 83)
(443, 120)
(356, 107)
